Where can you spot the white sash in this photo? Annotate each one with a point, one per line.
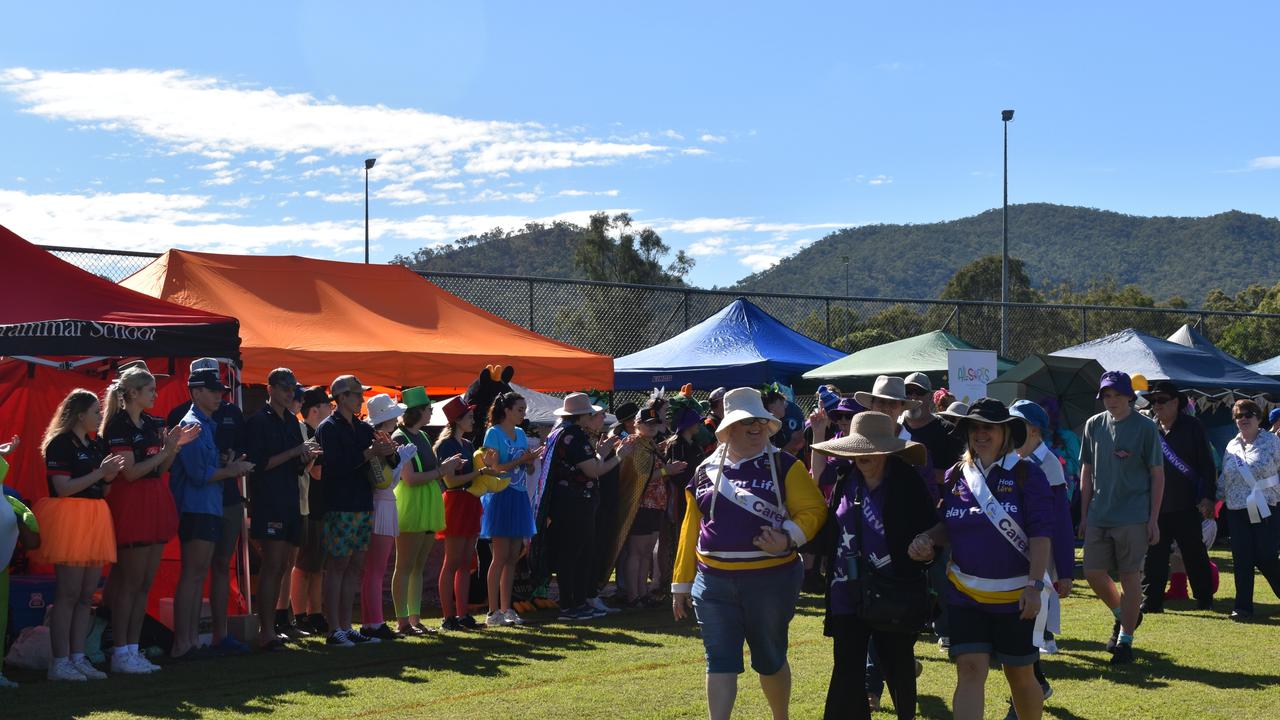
(1256, 502)
(1049, 617)
(759, 507)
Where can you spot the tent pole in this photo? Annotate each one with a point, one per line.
(233, 374)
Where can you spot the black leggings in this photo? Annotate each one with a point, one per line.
(846, 695)
(573, 537)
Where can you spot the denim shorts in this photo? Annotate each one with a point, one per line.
(747, 606)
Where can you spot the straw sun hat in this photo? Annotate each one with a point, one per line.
(873, 433)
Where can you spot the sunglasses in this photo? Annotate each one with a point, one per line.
(1161, 400)
(917, 392)
(752, 422)
(1245, 414)
(838, 416)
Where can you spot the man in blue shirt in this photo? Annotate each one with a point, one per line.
(230, 441)
(196, 480)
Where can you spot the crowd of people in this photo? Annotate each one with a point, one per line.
(909, 512)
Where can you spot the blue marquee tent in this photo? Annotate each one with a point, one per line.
(1270, 368)
(740, 345)
(1190, 369)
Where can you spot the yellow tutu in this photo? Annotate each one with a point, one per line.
(75, 531)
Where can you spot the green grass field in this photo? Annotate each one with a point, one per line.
(641, 664)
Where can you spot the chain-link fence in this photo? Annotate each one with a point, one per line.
(617, 319)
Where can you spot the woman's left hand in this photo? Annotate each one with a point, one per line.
(772, 541)
(1029, 603)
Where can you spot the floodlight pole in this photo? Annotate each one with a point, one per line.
(1005, 117)
(368, 165)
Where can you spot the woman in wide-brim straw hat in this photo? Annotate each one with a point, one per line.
(997, 516)
(880, 504)
(749, 507)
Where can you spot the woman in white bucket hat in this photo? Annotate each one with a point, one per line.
(749, 507)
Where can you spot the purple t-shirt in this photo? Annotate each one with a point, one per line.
(727, 531)
(875, 548)
(977, 547)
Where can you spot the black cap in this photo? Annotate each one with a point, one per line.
(313, 396)
(207, 379)
(649, 417)
(626, 411)
(282, 377)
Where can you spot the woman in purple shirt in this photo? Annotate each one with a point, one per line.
(880, 504)
(997, 516)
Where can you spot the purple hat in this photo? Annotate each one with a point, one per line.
(848, 405)
(687, 420)
(1118, 381)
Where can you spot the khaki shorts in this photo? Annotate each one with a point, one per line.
(1115, 549)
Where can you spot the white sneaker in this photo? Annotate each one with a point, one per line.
(141, 661)
(510, 617)
(87, 669)
(600, 605)
(62, 669)
(126, 664)
(496, 619)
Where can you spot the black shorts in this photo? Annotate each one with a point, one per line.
(264, 526)
(311, 551)
(647, 521)
(1002, 634)
(199, 526)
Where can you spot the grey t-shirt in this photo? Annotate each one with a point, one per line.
(1122, 455)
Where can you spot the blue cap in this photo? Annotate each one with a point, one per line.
(828, 399)
(1032, 413)
(1273, 416)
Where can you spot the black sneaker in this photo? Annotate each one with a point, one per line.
(451, 624)
(382, 632)
(296, 632)
(338, 638)
(1123, 654)
(468, 623)
(359, 638)
(317, 624)
(1013, 713)
(1115, 632)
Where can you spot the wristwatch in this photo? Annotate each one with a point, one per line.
(1037, 584)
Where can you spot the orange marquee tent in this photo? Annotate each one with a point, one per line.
(384, 323)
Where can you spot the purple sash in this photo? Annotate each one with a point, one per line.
(1172, 458)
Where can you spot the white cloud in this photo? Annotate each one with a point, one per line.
(588, 193)
(709, 138)
(191, 114)
(1268, 162)
(708, 225)
(263, 165)
(449, 186)
(759, 261)
(709, 246)
(880, 180)
(155, 181)
(694, 151)
(156, 222)
(672, 134)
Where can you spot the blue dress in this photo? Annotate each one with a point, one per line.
(508, 513)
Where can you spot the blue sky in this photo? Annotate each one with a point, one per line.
(740, 131)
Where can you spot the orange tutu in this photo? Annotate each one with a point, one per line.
(75, 531)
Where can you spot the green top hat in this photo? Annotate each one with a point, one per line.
(415, 397)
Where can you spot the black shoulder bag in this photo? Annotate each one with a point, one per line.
(889, 602)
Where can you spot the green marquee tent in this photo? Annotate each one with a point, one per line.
(925, 353)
